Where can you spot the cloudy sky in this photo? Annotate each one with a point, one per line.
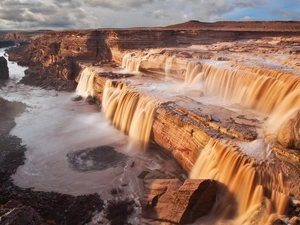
(83, 14)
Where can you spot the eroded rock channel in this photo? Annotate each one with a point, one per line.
(219, 102)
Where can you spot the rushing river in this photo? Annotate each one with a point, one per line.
(54, 127)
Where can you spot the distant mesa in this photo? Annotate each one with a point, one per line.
(279, 26)
(4, 74)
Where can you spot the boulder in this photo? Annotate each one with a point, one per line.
(76, 98)
(288, 133)
(3, 68)
(178, 202)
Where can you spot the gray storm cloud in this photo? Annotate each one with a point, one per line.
(119, 5)
(81, 14)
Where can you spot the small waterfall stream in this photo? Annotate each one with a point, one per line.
(131, 62)
(85, 87)
(168, 65)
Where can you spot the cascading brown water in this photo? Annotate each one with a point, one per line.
(168, 65)
(193, 70)
(130, 112)
(85, 85)
(131, 62)
(249, 192)
(271, 92)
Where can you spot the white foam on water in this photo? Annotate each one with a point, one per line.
(16, 72)
(53, 126)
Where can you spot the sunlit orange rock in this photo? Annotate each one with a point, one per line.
(289, 132)
(178, 202)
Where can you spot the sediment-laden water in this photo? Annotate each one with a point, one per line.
(63, 136)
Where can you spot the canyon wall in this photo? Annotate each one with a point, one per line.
(54, 55)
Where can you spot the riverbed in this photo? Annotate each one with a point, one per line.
(54, 127)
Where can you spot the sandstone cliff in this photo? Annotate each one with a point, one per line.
(56, 51)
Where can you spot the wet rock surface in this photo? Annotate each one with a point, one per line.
(100, 158)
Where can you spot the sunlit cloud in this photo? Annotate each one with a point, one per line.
(82, 14)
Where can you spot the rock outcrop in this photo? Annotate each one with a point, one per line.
(14, 212)
(177, 202)
(20, 37)
(289, 132)
(4, 74)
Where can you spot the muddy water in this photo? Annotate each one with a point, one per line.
(250, 190)
(54, 127)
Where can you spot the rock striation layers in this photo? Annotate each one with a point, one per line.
(177, 202)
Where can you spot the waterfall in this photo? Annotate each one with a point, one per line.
(284, 110)
(130, 112)
(250, 190)
(260, 91)
(168, 65)
(267, 91)
(131, 62)
(193, 69)
(85, 87)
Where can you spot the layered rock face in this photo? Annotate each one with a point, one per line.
(177, 202)
(53, 56)
(4, 73)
